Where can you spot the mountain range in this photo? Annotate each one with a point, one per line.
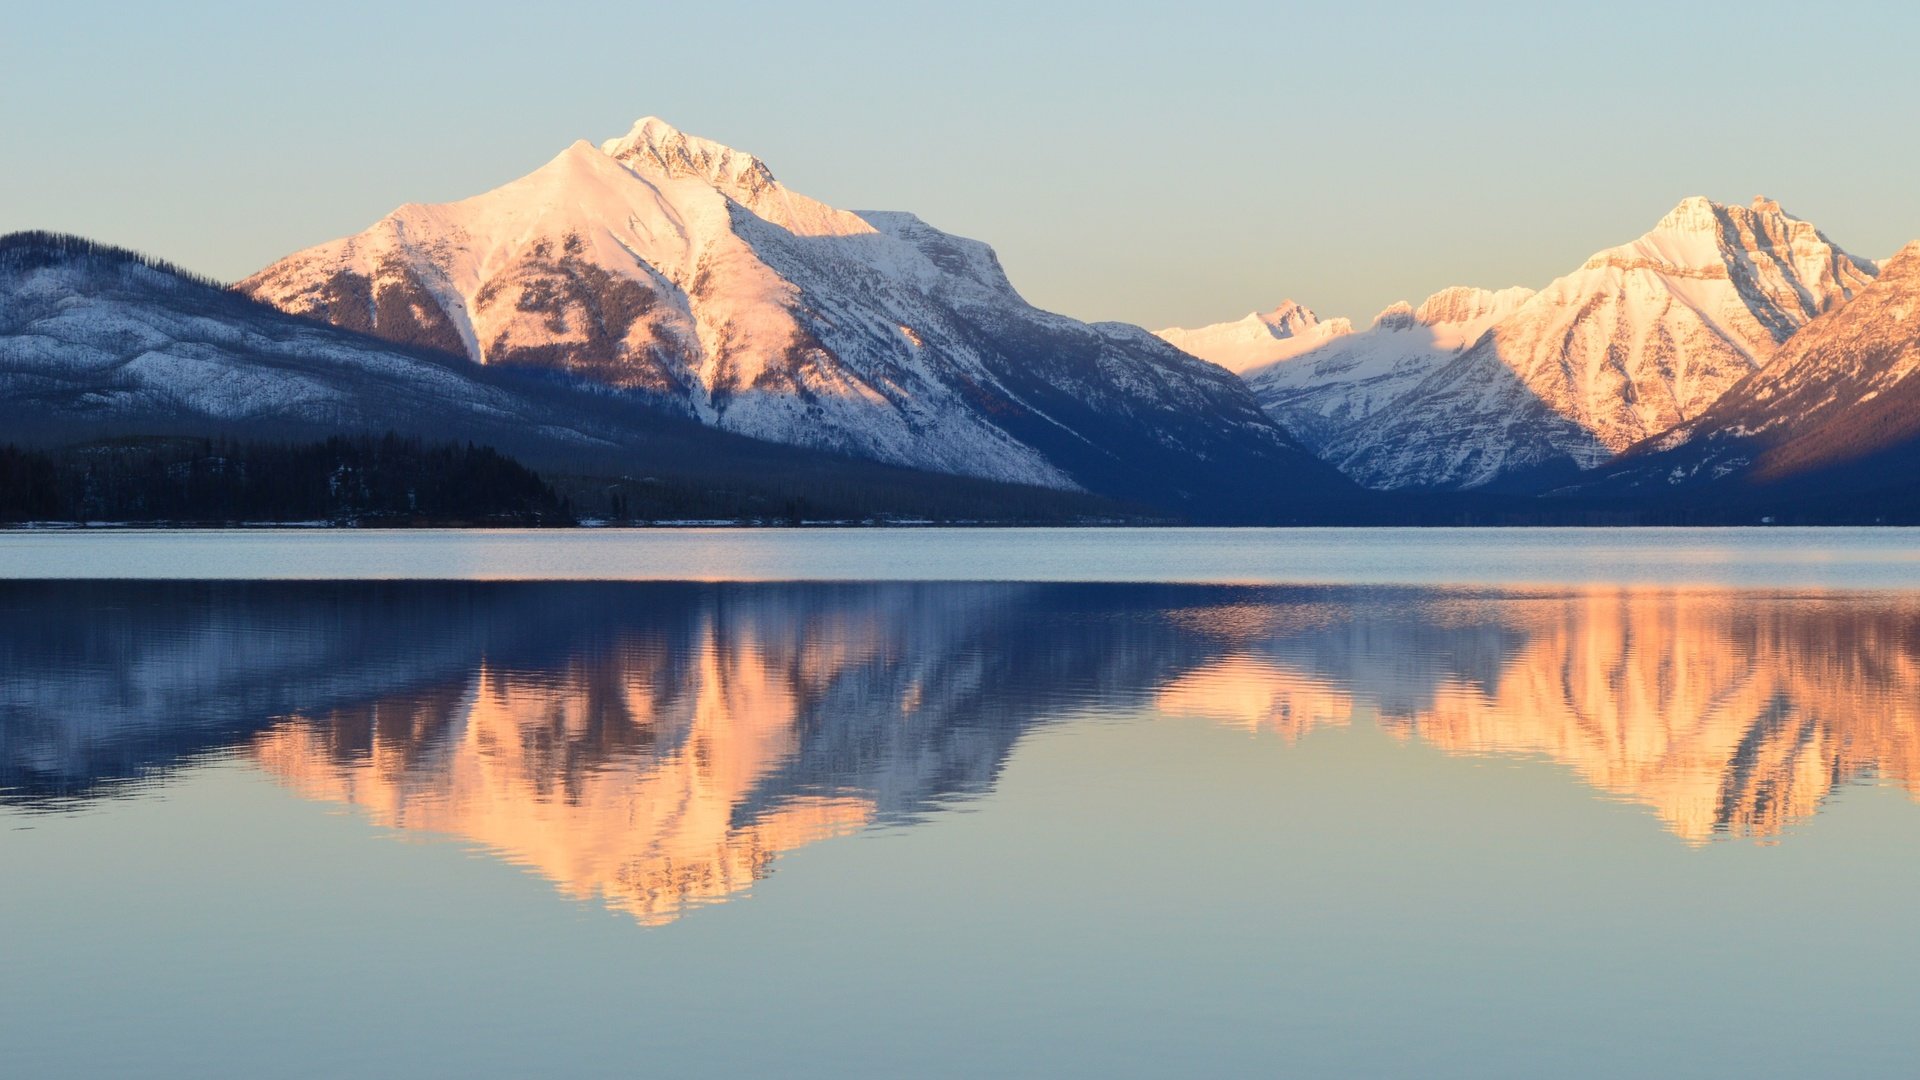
(661, 303)
(1484, 390)
(1322, 379)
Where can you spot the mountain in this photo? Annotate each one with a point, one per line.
(681, 270)
(1260, 339)
(100, 343)
(1835, 415)
(1640, 338)
(1335, 378)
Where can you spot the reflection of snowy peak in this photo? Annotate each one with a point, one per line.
(1728, 714)
(678, 268)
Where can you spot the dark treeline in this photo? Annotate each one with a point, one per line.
(673, 495)
(29, 487)
(1892, 505)
(363, 479)
(32, 249)
(396, 480)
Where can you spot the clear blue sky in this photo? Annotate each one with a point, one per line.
(1176, 164)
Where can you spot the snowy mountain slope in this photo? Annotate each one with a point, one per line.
(1320, 391)
(1260, 339)
(95, 338)
(1640, 338)
(99, 342)
(1837, 408)
(680, 269)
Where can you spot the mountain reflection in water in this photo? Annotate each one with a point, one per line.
(657, 746)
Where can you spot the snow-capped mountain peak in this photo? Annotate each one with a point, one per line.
(678, 268)
(1457, 313)
(1395, 316)
(1288, 318)
(1467, 307)
(1341, 381)
(1258, 339)
(655, 145)
(1759, 248)
(1838, 406)
(1641, 337)
(1695, 213)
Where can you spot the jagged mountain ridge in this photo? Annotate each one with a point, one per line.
(678, 268)
(1642, 337)
(1260, 339)
(1328, 377)
(1837, 409)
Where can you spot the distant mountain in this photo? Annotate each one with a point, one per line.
(679, 269)
(102, 343)
(1260, 339)
(1333, 379)
(1640, 338)
(1835, 415)
(1479, 390)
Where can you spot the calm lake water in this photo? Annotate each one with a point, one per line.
(1646, 804)
(1763, 557)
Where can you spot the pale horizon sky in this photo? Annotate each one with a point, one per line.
(1181, 164)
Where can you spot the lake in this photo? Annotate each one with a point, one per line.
(960, 803)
